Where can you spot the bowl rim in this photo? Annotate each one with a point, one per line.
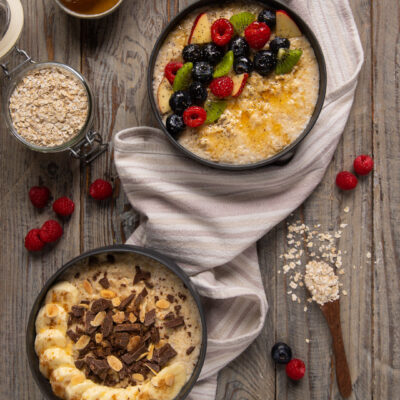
(88, 16)
(42, 382)
(287, 152)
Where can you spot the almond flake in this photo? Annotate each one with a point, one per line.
(82, 342)
(107, 294)
(98, 337)
(87, 286)
(119, 317)
(163, 304)
(133, 343)
(138, 377)
(116, 301)
(98, 319)
(114, 363)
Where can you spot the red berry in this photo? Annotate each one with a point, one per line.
(363, 164)
(50, 231)
(194, 116)
(346, 180)
(100, 189)
(295, 369)
(171, 69)
(33, 241)
(222, 87)
(221, 32)
(64, 206)
(39, 196)
(257, 34)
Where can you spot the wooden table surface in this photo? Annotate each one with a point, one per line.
(113, 53)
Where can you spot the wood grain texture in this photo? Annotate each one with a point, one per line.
(113, 53)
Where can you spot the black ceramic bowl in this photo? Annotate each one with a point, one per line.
(44, 383)
(287, 153)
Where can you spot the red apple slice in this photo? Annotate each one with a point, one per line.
(285, 26)
(164, 93)
(201, 30)
(239, 82)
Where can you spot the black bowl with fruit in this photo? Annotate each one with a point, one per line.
(206, 66)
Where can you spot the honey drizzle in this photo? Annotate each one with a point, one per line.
(89, 7)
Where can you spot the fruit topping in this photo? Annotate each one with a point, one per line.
(183, 77)
(33, 241)
(242, 65)
(285, 26)
(239, 82)
(345, 180)
(287, 59)
(212, 53)
(180, 101)
(363, 164)
(198, 93)
(64, 206)
(194, 116)
(295, 369)
(257, 35)
(175, 124)
(221, 32)
(171, 69)
(281, 353)
(279, 43)
(39, 196)
(241, 21)
(264, 62)
(225, 66)
(100, 189)
(214, 110)
(268, 17)
(222, 87)
(202, 72)
(201, 30)
(164, 93)
(50, 231)
(239, 46)
(192, 53)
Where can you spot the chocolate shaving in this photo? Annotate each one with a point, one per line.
(121, 340)
(101, 305)
(155, 367)
(73, 335)
(125, 303)
(89, 329)
(104, 282)
(128, 328)
(170, 298)
(107, 325)
(190, 350)
(140, 297)
(174, 323)
(129, 358)
(85, 302)
(98, 367)
(141, 275)
(154, 335)
(80, 364)
(169, 316)
(77, 311)
(150, 317)
(164, 354)
(178, 309)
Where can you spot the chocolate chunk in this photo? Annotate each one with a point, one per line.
(170, 298)
(169, 316)
(128, 328)
(89, 329)
(149, 285)
(141, 275)
(107, 325)
(85, 302)
(121, 340)
(164, 354)
(125, 303)
(98, 367)
(190, 350)
(150, 317)
(104, 282)
(80, 364)
(155, 367)
(140, 297)
(154, 335)
(77, 311)
(101, 305)
(129, 358)
(73, 335)
(174, 323)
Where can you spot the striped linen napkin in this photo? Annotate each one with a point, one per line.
(209, 220)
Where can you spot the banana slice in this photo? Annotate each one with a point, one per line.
(51, 316)
(74, 390)
(61, 377)
(49, 338)
(63, 293)
(96, 392)
(54, 358)
(129, 393)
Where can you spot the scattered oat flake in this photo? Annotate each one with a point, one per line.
(294, 297)
(307, 340)
(346, 209)
(344, 292)
(368, 255)
(305, 308)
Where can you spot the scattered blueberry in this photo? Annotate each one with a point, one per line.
(239, 46)
(279, 43)
(202, 72)
(269, 17)
(264, 62)
(192, 53)
(175, 124)
(180, 101)
(242, 65)
(198, 93)
(281, 353)
(212, 53)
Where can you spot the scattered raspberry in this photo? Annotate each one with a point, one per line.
(39, 196)
(346, 180)
(295, 369)
(100, 189)
(221, 32)
(257, 34)
(33, 241)
(50, 231)
(222, 87)
(363, 164)
(64, 206)
(171, 69)
(194, 116)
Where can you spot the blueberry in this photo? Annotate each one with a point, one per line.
(239, 46)
(180, 101)
(198, 93)
(175, 124)
(202, 72)
(269, 17)
(212, 53)
(281, 353)
(192, 53)
(242, 65)
(264, 62)
(279, 43)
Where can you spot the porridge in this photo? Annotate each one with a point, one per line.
(122, 327)
(236, 84)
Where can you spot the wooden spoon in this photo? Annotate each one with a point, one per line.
(331, 311)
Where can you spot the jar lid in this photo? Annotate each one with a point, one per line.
(13, 15)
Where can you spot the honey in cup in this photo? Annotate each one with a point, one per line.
(89, 7)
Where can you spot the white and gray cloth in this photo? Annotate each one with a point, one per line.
(210, 220)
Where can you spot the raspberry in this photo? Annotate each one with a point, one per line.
(363, 164)
(295, 369)
(194, 116)
(257, 34)
(50, 231)
(100, 189)
(222, 87)
(64, 206)
(33, 241)
(171, 69)
(39, 196)
(345, 180)
(221, 32)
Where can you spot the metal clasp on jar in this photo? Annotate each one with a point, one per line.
(5, 66)
(89, 148)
